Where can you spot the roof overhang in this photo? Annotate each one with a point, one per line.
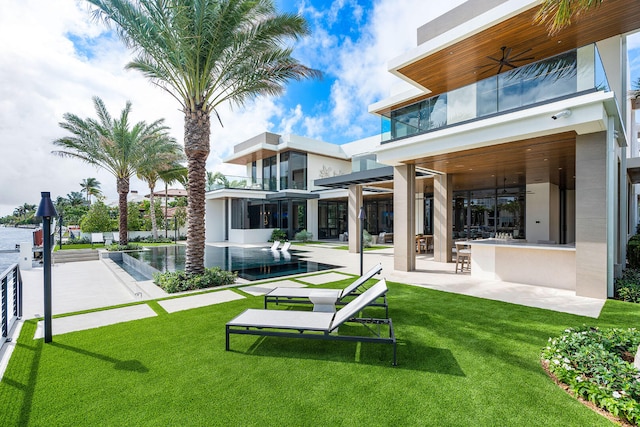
(633, 169)
(290, 195)
(455, 58)
(370, 176)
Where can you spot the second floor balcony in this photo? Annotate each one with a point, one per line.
(574, 72)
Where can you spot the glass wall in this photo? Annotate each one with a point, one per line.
(379, 215)
(288, 215)
(293, 171)
(482, 214)
(332, 219)
(269, 174)
(569, 73)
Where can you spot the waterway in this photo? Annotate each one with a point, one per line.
(9, 237)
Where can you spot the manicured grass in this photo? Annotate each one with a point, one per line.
(66, 247)
(462, 361)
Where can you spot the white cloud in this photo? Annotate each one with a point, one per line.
(43, 75)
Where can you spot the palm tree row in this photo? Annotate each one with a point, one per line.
(205, 53)
(116, 146)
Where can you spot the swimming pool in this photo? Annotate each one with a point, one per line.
(250, 263)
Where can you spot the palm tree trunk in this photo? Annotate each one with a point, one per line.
(196, 143)
(123, 190)
(166, 202)
(152, 212)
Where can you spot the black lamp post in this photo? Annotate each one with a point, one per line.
(46, 210)
(60, 219)
(361, 216)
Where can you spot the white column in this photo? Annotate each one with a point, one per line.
(404, 196)
(355, 201)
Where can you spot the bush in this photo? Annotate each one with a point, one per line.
(278, 234)
(128, 247)
(78, 241)
(303, 236)
(633, 252)
(178, 281)
(627, 287)
(367, 239)
(595, 364)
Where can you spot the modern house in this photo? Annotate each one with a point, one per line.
(527, 135)
(505, 131)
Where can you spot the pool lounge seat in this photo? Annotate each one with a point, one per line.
(286, 246)
(273, 247)
(316, 325)
(96, 238)
(301, 295)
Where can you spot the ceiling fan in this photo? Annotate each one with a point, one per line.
(506, 60)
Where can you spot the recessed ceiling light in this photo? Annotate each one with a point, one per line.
(559, 169)
(546, 160)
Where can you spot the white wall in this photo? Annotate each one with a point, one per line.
(214, 220)
(543, 212)
(331, 166)
(312, 217)
(261, 235)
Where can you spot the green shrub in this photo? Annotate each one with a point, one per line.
(128, 247)
(627, 287)
(595, 364)
(633, 252)
(303, 236)
(278, 234)
(178, 281)
(367, 239)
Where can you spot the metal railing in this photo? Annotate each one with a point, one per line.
(11, 303)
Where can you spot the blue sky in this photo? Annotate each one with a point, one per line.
(54, 59)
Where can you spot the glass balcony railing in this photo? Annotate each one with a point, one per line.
(568, 73)
(235, 182)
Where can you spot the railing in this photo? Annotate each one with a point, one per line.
(11, 303)
(236, 182)
(576, 71)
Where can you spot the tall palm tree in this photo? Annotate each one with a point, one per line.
(91, 187)
(111, 144)
(163, 157)
(557, 14)
(204, 53)
(75, 198)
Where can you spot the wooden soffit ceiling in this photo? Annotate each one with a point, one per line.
(538, 160)
(460, 64)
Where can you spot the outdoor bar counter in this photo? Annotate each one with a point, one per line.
(517, 261)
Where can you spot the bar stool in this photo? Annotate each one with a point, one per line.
(463, 255)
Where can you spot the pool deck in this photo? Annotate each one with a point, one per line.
(91, 285)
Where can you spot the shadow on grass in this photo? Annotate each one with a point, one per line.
(121, 365)
(411, 355)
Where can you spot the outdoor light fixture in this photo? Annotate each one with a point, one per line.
(46, 210)
(563, 113)
(361, 216)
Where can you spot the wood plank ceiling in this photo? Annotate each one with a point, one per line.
(461, 63)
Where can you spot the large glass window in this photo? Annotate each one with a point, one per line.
(482, 214)
(293, 171)
(254, 172)
(269, 174)
(332, 219)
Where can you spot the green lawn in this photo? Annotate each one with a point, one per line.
(74, 246)
(370, 248)
(463, 361)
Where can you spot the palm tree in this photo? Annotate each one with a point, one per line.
(558, 13)
(91, 187)
(204, 53)
(75, 198)
(111, 144)
(163, 157)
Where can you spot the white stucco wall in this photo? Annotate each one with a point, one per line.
(312, 217)
(250, 236)
(214, 220)
(331, 167)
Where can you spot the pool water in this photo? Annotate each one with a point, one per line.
(250, 263)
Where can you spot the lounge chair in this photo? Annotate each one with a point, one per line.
(273, 247)
(97, 238)
(313, 324)
(286, 246)
(302, 295)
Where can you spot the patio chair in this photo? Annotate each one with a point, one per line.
(273, 247)
(315, 325)
(303, 295)
(96, 238)
(286, 246)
